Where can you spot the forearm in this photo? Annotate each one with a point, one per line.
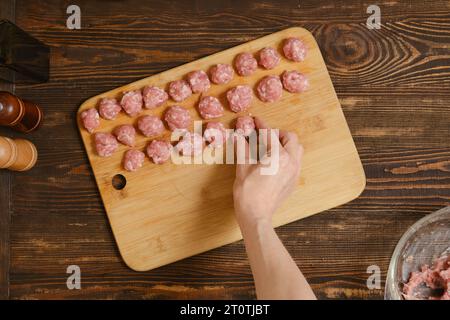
(275, 273)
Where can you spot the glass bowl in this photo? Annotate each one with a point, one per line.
(423, 243)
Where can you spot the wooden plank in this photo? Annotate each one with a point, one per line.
(7, 11)
(401, 132)
(169, 212)
(5, 198)
(5, 183)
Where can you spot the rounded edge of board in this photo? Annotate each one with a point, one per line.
(363, 179)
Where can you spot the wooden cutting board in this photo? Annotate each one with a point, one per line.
(169, 212)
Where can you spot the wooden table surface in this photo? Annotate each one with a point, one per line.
(394, 87)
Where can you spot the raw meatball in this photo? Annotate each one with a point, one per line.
(150, 125)
(269, 58)
(294, 81)
(270, 89)
(199, 81)
(126, 134)
(159, 151)
(221, 73)
(105, 144)
(90, 119)
(132, 102)
(154, 97)
(245, 125)
(245, 64)
(179, 90)
(177, 117)
(133, 160)
(294, 49)
(210, 107)
(190, 144)
(239, 98)
(109, 108)
(215, 134)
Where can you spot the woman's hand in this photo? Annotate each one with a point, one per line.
(257, 196)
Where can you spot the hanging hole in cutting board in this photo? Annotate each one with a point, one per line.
(119, 182)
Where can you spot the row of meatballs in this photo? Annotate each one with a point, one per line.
(239, 98)
(269, 89)
(159, 151)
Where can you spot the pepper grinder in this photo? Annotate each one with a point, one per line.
(17, 155)
(21, 115)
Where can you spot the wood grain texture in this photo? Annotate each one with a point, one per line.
(393, 85)
(169, 212)
(7, 11)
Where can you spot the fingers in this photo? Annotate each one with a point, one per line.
(286, 140)
(289, 140)
(267, 133)
(242, 154)
(283, 137)
(260, 124)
